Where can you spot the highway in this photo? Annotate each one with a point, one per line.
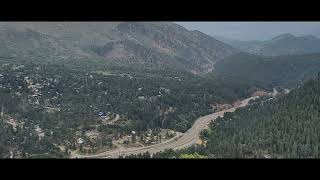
(181, 141)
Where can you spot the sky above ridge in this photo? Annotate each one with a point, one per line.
(254, 30)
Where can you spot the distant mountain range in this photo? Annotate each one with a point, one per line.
(155, 43)
(284, 44)
(56, 78)
(281, 71)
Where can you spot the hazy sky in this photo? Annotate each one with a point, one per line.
(254, 30)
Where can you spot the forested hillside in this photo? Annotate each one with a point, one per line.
(284, 127)
(283, 44)
(47, 106)
(281, 71)
(84, 88)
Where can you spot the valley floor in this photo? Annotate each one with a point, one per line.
(180, 141)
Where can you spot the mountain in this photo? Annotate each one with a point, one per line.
(241, 45)
(79, 33)
(283, 127)
(284, 44)
(287, 44)
(285, 36)
(148, 43)
(24, 43)
(281, 71)
(86, 87)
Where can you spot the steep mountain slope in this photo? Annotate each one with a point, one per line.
(287, 44)
(26, 43)
(284, 44)
(79, 33)
(151, 43)
(284, 71)
(193, 49)
(285, 127)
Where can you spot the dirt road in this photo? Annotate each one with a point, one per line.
(181, 141)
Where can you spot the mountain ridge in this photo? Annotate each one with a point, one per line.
(283, 44)
(138, 42)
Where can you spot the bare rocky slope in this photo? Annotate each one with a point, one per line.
(156, 43)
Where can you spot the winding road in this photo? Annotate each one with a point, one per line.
(179, 142)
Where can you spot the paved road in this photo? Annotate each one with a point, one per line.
(182, 141)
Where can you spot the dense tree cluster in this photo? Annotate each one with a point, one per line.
(286, 127)
(280, 71)
(65, 99)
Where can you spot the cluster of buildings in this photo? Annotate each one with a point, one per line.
(146, 138)
(33, 87)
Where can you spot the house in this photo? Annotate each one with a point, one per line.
(101, 114)
(286, 91)
(141, 98)
(13, 123)
(41, 135)
(80, 141)
(171, 132)
(155, 138)
(164, 89)
(104, 118)
(39, 131)
(147, 139)
(28, 81)
(267, 156)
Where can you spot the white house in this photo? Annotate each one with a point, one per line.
(80, 141)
